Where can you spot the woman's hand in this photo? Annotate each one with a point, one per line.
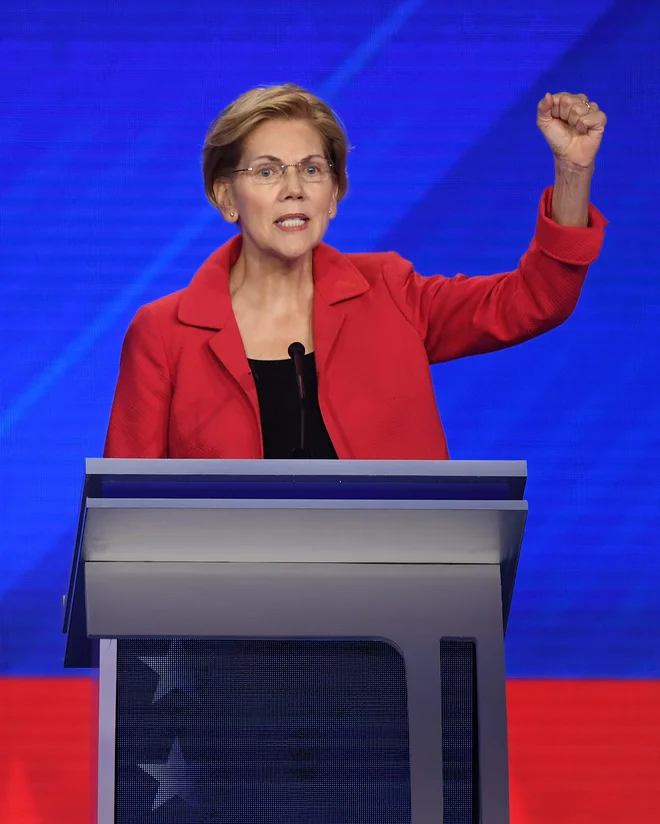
(573, 128)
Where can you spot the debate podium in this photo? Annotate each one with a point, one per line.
(297, 641)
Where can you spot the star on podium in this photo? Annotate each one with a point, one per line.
(174, 778)
(173, 674)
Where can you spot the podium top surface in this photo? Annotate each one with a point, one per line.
(258, 479)
(465, 511)
(188, 466)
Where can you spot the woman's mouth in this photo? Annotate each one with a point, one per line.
(292, 223)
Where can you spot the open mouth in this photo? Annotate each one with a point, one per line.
(292, 222)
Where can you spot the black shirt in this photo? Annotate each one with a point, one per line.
(279, 408)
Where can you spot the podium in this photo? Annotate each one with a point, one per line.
(317, 641)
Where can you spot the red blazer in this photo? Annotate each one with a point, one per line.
(185, 389)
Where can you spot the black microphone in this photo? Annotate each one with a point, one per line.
(297, 353)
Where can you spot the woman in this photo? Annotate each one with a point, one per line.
(206, 372)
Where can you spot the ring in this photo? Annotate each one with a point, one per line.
(587, 104)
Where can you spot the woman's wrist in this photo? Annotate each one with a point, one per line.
(570, 198)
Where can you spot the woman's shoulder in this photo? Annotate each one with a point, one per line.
(387, 268)
(198, 302)
(373, 266)
(160, 310)
(368, 261)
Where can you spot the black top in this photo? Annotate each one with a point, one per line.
(280, 409)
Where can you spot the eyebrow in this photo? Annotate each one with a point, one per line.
(279, 159)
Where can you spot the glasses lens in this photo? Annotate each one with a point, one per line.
(266, 172)
(314, 171)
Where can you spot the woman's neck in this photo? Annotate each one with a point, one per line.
(273, 305)
(269, 280)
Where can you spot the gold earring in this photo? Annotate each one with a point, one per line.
(231, 214)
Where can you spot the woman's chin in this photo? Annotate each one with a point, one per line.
(295, 246)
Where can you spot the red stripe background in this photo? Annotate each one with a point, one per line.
(581, 752)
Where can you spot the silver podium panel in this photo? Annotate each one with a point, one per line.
(412, 557)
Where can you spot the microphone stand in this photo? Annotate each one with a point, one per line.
(296, 353)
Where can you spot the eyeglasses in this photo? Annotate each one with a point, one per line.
(268, 171)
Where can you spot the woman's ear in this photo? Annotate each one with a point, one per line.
(223, 197)
(333, 204)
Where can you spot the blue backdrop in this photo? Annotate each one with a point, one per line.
(104, 106)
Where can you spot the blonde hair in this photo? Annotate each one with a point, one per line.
(226, 135)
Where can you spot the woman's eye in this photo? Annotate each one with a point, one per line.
(266, 171)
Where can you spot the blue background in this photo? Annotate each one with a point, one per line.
(104, 106)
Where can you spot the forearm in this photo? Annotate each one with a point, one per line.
(570, 198)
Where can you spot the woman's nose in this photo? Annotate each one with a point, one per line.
(291, 184)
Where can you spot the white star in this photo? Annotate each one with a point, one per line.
(172, 672)
(174, 778)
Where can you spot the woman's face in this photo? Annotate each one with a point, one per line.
(262, 203)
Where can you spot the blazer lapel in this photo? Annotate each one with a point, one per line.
(228, 347)
(336, 280)
(206, 303)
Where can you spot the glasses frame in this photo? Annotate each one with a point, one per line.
(284, 167)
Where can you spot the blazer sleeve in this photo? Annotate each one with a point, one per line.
(460, 316)
(139, 417)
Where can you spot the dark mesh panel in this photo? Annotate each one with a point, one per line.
(261, 732)
(460, 757)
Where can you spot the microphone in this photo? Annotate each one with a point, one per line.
(296, 353)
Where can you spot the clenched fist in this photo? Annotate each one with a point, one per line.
(573, 127)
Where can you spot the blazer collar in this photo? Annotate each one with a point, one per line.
(206, 301)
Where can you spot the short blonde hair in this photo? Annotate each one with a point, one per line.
(227, 134)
